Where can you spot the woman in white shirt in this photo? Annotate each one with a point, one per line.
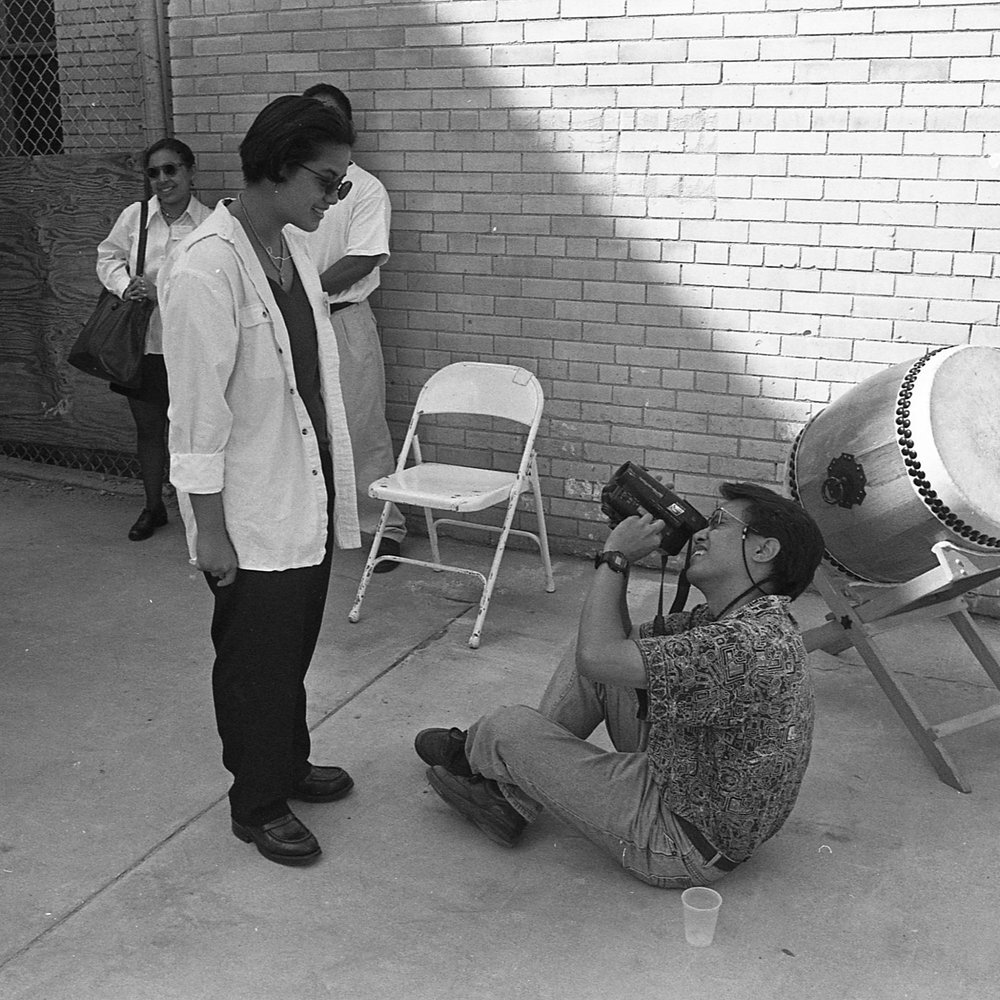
(174, 212)
(261, 458)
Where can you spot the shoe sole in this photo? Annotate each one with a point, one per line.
(468, 810)
(280, 859)
(330, 797)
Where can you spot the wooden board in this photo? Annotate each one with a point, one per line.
(54, 210)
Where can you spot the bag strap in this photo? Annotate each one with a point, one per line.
(140, 257)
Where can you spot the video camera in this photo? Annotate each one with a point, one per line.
(632, 487)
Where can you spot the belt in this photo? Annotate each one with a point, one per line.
(705, 849)
(335, 307)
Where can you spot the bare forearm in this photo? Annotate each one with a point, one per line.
(604, 651)
(605, 610)
(209, 514)
(346, 272)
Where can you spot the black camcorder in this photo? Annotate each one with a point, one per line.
(632, 487)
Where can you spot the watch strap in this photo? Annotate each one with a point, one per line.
(614, 560)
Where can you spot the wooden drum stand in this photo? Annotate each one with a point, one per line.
(859, 612)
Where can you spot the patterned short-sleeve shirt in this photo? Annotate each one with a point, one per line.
(731, 718)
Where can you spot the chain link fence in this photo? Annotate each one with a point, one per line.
(70, 77)
(71, 84)
(107, 463)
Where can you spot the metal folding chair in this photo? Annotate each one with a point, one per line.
(474, 388)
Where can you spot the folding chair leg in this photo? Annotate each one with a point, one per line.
(543, 538)
(432, 534)
(491, 579)
(355, 612)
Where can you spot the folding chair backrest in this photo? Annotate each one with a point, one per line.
(478, 387)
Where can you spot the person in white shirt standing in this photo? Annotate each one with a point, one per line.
(173, 213)
(261, 458)
(349, 247)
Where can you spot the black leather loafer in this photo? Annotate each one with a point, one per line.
(323, 784)
(387, 547)
(147, 522)
(284, 840)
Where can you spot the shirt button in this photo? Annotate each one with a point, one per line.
(292, 391)
(315, 473)
(305, 430)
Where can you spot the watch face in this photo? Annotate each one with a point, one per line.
(615, 560)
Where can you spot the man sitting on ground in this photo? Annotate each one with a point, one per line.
(711, 720)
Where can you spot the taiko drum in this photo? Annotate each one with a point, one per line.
(907, 458)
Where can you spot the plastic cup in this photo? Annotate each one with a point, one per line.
(701, 911)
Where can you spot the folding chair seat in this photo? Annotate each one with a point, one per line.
(480, 389)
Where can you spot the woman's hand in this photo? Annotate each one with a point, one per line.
(635, 537)
(140, 288)
(217, 557)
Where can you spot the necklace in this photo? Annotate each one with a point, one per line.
(170, 217)
(279, 259)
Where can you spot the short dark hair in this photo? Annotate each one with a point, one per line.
(287, 132)
(335, 94)
(182, 149)
(774, 516)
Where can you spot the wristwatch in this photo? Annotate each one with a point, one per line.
(614, 560)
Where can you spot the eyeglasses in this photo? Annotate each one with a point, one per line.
(168, 170)
(341, 188)
(719, 516)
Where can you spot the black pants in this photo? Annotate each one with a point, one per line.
(264, 630)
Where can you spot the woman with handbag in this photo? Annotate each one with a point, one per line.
(261, 457)
(173, 212)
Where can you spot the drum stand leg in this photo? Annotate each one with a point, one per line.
(933, 595)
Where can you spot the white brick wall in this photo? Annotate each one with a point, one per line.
(696, 226)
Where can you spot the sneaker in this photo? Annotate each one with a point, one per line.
(444, 748)
(481, 802)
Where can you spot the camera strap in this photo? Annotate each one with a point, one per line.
(680, 597)
(659, 624)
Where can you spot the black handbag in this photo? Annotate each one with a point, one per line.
(113, 341)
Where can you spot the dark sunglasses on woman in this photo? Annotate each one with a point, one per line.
(168, 169)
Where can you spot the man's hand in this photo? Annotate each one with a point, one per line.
(635, 537)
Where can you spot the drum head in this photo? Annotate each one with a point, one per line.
(955, 413)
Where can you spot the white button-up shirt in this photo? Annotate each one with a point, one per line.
(116, 253)
(238, 425)
(356, 226)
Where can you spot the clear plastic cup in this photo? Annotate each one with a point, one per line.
(701, 911)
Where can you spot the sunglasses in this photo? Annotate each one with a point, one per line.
(340, 188)
(168, 170)
(719, 516)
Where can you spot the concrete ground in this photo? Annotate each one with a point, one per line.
(120, 878)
